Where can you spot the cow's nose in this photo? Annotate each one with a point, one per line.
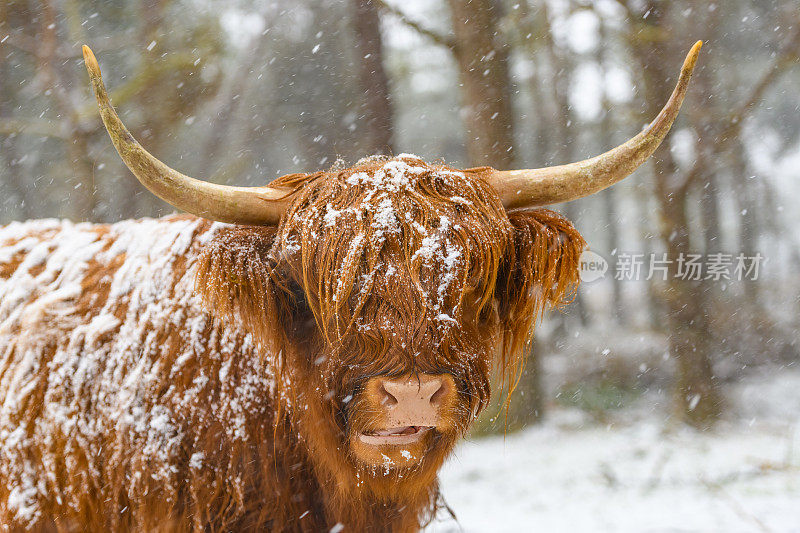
(422, 390)
(415, 400)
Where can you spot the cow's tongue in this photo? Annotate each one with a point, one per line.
(407, 430)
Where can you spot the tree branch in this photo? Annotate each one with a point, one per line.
(138, 83)
(42, 128)
(787, 57)
(20, 41)
(443, 40)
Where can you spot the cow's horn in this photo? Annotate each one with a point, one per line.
(551, 185)
(243, 205)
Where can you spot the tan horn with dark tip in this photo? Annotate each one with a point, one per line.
(552, 185)
(261, 206)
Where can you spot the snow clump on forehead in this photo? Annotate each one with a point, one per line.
(389, 227)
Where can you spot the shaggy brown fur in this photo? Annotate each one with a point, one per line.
(127, 406)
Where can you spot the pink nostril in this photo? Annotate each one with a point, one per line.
(436, 397)
(388, 398)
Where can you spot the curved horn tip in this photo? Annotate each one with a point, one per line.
(691, 57)
(91, 62)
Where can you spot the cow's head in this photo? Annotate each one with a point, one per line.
(390, 288)
(393, 286)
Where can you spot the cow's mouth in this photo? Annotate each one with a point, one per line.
(397, 435)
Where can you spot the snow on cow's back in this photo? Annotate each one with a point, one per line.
(103, 341)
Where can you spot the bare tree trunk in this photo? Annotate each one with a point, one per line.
(649, 222)
(697, 398)
(8, 145)
(609, 196)
(528, 31)
(152, 135)
(482, 59)
(84, 204)
(610, 212)
(709, 204)
(527, 406)
(378, 132)
(750, 225)
(563, 152)
(540, 114)
(707, 164)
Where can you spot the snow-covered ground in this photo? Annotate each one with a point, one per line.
(638, 474)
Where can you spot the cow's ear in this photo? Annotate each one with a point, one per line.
(237, 280)
(540, 271)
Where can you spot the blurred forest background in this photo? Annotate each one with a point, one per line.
(240, 92)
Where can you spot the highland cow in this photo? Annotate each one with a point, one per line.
(286, 358)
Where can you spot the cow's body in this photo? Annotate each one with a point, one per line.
(113, 379)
